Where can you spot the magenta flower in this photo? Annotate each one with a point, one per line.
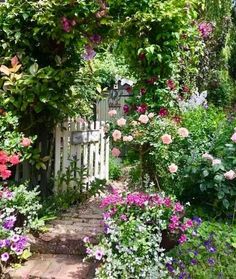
(142, 56)
(178, 207)
(142, 108)
(205, 29)
(126, 108)
(152, 80)
(182, 239)
(163, 112)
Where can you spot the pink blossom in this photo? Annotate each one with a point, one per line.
(14, 159)
(205, 28)
(230, 175)
(167, 202)
(112, 112)
(127, 138)
(174, 219)
(138, 199)
(26, 142)
(166, 139)
(123, 217)
(3, 157)
(111, 200)
(121, 122)
(86, 239)
(5, 174)
(173, 168)
(99, 253)
(116, 135)
(158, 200)
(189, 223)
(233, 138)
(182, 239)
(143, 119)
(207, 157)
(216, 162)
(115, 152)
(183, 132)
(178, 207)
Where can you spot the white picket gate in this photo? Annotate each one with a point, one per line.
(84, 142)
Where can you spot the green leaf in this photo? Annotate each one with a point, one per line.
(34, 69)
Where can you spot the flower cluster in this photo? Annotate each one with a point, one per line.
(6, 161)
(205, 29)
(136, 227)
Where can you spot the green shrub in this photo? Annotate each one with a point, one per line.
(115, 168)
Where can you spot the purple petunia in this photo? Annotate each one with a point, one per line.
(211, 261)
(99, 254)
(5, 257)
(9, 222)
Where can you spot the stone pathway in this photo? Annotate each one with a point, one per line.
(59, 252)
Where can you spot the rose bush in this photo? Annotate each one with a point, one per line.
(139, 229)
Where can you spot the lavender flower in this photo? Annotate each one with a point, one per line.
(99, 254)
(89, 53)
(96, 39)
(9, 222)
(5, 257)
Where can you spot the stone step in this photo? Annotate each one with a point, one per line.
(65, 234)
(48, 266)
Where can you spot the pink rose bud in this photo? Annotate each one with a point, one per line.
(121, 122)
(166, 139)
(172, 168)
(183, 132)
(143, 119)
(115, 152)
(26, 142)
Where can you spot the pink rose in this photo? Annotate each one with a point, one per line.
(183, 132)
(216, 162)
(5, 174)
(172, 168)
(14, 159)
(116, 135)
(151, 115)
(233, 138)
(115, 152)
(112, 112)
(121, 122)
(143, 119)
(26, 142)
(166, 139)
(207, 157)
(230, 175)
